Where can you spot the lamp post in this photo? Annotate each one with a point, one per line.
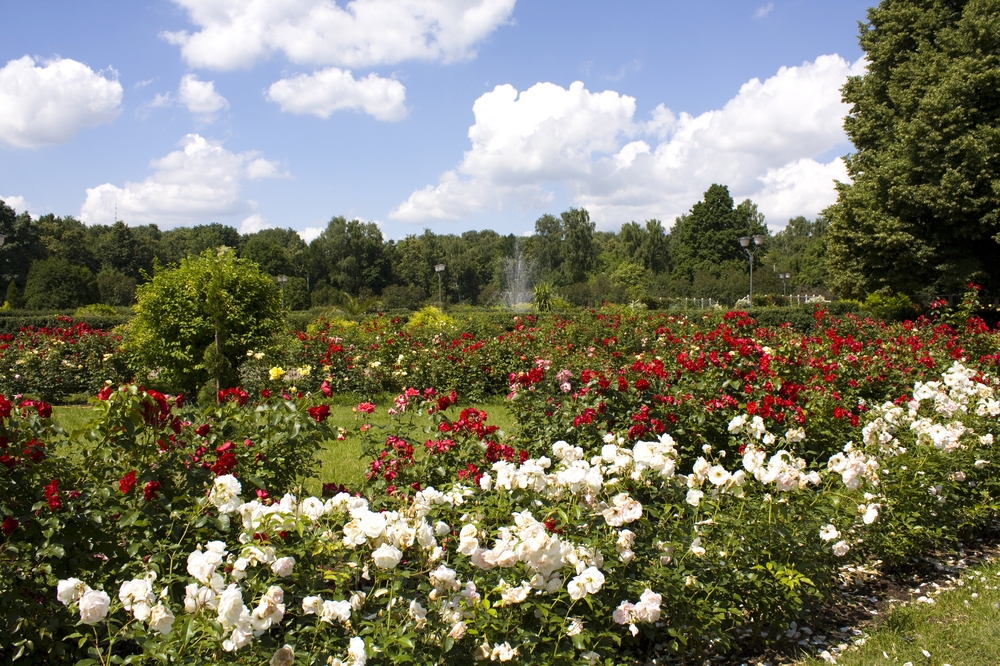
(758, 239)
(439, 268)
(282, 279)
(783, 277)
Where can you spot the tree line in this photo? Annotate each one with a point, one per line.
(58, 262)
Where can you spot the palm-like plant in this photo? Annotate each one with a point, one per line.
(356, 305)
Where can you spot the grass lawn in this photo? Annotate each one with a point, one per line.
(960, 628)
(340, 462)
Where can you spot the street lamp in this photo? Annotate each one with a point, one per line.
(439, 268)
(783, 277)
(758, 239)
(282, 279)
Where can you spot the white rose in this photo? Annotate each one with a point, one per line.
(696, 547)
(312, 605)
(70, 590)
(225, 493)
(313, 508)
(871, 514)
(828, 533)
(356, 652)
(94, 606)
(457, 631)
(230, 606)
(335, 610)
(694, 497)
(373, 525)
(387, 556)
(283, 566)
(161, 619)
(285, 656)
(840, 548)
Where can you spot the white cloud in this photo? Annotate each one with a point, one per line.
(764, 10)
(237, 33)
(17, 203)
(763, 144)
(253, 224)
(43, 105)
(333, 89)
(199, 182)
(310, 233)
(200, 98)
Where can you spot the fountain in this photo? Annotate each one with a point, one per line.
(517, 293)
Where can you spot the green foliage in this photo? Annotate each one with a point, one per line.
(890, 307)
(707, 238)
(197, 321)
(55, 283)
(115, 288)
(923, 212)
(544, 296)
(430, 317)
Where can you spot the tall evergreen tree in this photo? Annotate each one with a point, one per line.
(923, 212)
(707, 238)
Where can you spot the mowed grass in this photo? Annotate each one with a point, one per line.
(961, 627)
(341, 462)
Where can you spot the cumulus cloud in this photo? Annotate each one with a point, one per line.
(49, 103)
(332, 89)
(253, 224)
(200, 98)
(199, 182)
(17, 203)
(237, 33)
(310, 233)
(764, 143)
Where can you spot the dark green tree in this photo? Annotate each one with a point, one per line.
(56, 284)
(351, 256)
(923, 211)
(22, 245)
(579, 253)
(707, 238)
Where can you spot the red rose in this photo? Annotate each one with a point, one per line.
(366, 407)
(150, 490)
(44, 410)
(202, 430)
(319, 412)
(52, 494)
(225, 463)
(127, 483)
(325, 388)
(9, 525)
(105, 393)
(264, 393)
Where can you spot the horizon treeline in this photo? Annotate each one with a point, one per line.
(59, 262)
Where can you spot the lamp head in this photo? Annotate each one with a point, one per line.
(758, 239)
(745, 241)
(2, 238)
(439, 268)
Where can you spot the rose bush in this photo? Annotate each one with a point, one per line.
(672, 487)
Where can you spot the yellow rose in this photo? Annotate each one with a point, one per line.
(276, 373)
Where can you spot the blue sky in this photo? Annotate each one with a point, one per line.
(440, 114)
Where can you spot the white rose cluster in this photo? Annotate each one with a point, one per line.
(854, 467)
(92, 604)
(647, 609)
(137, 597)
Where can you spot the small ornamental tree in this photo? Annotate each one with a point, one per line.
(196, 322)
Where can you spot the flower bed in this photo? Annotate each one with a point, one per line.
(687, 489)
